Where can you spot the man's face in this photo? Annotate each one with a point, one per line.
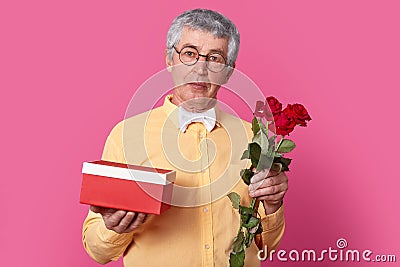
(197, 83)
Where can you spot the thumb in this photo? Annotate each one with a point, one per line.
(95, 209)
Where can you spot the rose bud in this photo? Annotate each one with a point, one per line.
(260, 109)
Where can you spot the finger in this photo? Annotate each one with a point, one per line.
(127, 219)
(270, 181)
(102, 210)
(266, 173)
(125, 222)
(273, 172)
(275, 180)
(257, 177)
(263, 174)
(270, 190)
(140, 219)
(114, 219)
(255, 186)
(95, 209)
(273, 199)
(281, 178)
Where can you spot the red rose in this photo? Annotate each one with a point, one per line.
(274, 105)
(284, 122)
(268, 115)
(260, 109)
(299, 113)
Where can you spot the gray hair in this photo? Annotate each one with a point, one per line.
(209, 21)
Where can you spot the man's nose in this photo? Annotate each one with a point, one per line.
(201, 65)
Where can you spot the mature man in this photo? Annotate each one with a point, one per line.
(199, 228)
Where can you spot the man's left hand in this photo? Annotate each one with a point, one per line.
(269, 186)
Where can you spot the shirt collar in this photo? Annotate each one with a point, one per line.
(185, 118)
(171, 110)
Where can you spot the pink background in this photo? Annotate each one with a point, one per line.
(70, 68)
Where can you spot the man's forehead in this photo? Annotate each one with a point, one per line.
(200, 39)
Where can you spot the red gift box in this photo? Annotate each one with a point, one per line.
(126, 187)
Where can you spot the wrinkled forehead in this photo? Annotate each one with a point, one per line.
(202, 39)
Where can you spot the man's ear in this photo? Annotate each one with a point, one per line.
(168, 61)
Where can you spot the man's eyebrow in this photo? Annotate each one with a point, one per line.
(219, 50)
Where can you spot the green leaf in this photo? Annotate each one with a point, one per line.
(286, 146)
(255, 126)
(255, 152)
(262, 140)
(265, 161)
(246, 154)
(257, 138)
(246, 175)
(259, 159)
(237, 260)
(245, 210)
(245, 214)
(263, 128)
(249, 239)
(238, 243)
(284, 161)
(252, 223)
(235, 199)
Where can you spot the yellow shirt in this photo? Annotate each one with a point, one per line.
(199, 228)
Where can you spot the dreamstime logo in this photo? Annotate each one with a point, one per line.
(330, 254)
(341, 243)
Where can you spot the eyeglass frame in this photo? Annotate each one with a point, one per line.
(198, 57)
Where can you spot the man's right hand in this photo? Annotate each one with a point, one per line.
(120, 221)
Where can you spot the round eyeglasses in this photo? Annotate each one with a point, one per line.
(189, 56)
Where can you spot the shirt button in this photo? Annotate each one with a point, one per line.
(205, 209)
(207, 246)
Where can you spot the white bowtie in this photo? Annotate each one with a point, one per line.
(185, 117)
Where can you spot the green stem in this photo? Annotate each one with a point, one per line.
(253, 201)
(279, 143)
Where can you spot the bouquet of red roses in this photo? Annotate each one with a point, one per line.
(264, 154)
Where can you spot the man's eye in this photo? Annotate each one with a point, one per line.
(189, 54)
(215, 58)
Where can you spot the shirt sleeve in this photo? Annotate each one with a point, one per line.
(273, 228)
(101, 244)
